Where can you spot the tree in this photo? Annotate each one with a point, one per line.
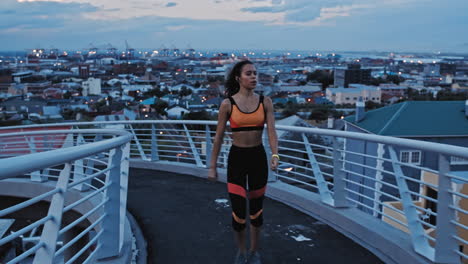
(184, 91)
(290, 109)
(155, 92)
(372, 105)
(160, 107)
(321, 76)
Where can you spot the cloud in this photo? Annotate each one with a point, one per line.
(171, 4)
(33, 15)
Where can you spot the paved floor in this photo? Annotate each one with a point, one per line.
(187, 220)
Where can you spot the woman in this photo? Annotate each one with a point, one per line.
(247, 163)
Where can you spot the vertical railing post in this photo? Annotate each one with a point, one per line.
(154, 144)
(339, 184)
(51, 228)
(110, 239)
(446, 245)
(378, 177)
(78, 169)
(137, 142)
(418, 238)
(36, 176)
(324, 191)
(195, 153)
(208, 145)
(124, 169)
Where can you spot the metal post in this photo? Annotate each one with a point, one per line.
(78, 168)
(51, 228)
(124, 168)
(36, 176)
(325, 194)
(195, 153)
(420, 242)
(137, 142)
(110, 238)
(339, 184)
(446, 245)
(154, 144)
(208, 145)
(378, 177)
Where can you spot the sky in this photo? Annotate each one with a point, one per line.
(311, 25)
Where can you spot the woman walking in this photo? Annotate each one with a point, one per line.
(247, 170)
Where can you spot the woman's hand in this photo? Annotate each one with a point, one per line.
(274, 163)
(212, 174)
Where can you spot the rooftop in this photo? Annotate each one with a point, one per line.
(189, 222)
(416, 118)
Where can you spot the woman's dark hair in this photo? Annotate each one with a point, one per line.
(232, 85)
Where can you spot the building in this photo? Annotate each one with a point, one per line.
(352, 95)
(91, 86)
(353, 74)
(83, 70)
(443, 122)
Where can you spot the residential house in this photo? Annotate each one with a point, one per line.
(443, 122)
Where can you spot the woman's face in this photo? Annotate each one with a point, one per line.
(248, 77)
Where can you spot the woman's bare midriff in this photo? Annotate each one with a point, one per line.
(246, 139)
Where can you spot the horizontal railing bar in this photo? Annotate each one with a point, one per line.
(28, 202)
(369, 178)
(71, 225)
(90, 176)
(86, 198)
(26, 254)
(91, 256)
(80, 235)
(24, 230)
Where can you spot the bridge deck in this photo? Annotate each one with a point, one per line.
(185, 220)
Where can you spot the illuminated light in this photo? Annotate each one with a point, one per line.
(433, 61)
(399, 73)
(404, 61)
(146, 115)
(342, 117)
(288, 169)
(141, 100)
(277, 70)
(161, 133)
(34, 50)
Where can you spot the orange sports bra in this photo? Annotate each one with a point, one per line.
(242, 121)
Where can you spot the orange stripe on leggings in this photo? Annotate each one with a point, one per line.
(257, 193)
(236, 189)
(256, 215)
(237, 219)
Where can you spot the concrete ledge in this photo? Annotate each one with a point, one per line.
(387, 243)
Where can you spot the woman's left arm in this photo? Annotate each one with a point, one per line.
(272, 137)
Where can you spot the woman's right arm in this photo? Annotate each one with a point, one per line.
(223, 114)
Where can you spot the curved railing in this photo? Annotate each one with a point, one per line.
(82, 174)
(413, 188)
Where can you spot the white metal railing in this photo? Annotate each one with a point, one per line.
(347, 170)
(82, 171)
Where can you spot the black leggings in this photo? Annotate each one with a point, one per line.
(247, 166)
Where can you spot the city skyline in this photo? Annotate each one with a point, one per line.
(342, 25)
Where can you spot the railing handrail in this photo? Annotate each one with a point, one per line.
(10, 167)
(446, 149)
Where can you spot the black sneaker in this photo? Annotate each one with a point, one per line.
(240, 258)
(254, 258)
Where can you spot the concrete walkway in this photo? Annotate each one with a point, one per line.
(186, 220)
